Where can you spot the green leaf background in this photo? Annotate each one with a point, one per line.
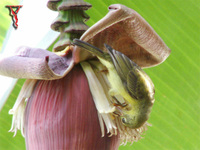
(175, 117)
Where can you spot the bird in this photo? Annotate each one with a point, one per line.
(128, 80)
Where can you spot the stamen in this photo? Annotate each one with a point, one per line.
(100, 98)
(19, 107)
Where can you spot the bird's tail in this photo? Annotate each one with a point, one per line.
(92, 49)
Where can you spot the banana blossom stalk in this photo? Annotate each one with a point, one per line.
(56, 106)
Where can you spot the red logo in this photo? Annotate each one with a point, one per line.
(14, 9)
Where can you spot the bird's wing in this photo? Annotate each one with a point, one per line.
(121, 62)
(133, 83)
(128, 71)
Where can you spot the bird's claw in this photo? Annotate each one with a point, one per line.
(117, 112)
(118, 103)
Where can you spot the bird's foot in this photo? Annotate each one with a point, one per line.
(117, 112)
(118, 103)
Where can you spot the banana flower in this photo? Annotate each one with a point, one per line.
(65, 105)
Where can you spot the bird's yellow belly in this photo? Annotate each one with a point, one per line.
(117, 87)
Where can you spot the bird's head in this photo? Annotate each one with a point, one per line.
(136, 116)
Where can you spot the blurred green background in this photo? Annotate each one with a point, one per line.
(175, 117)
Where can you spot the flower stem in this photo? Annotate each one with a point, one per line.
(70, 20)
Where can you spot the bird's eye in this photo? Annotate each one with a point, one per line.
(123, 120)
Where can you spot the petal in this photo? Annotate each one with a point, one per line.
(61, 114)
(35, 63)
(126, 31)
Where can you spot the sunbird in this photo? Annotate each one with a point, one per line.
(128, 80)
